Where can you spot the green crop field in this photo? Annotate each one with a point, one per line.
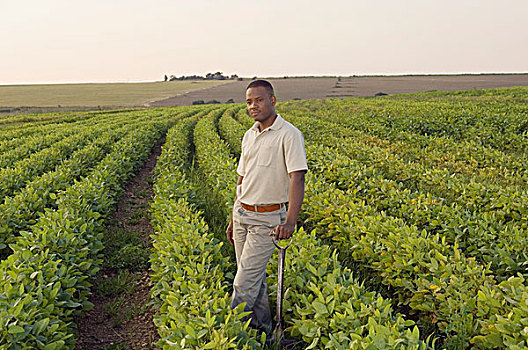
(412, 235)
(97, 94)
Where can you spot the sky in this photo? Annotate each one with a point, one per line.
(138, 40)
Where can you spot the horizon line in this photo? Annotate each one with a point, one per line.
(265, 77)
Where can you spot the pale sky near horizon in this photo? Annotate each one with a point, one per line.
(139, 40)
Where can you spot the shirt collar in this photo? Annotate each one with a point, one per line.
(277, 124)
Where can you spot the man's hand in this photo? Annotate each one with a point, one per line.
(229, 233)
(284, 231)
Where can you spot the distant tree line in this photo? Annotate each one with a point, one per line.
(208, 76)
(202, 102)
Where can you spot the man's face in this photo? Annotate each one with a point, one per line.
(260, 105)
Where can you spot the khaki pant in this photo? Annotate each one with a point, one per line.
(253, 249)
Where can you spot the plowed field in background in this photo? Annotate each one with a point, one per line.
(16, 99)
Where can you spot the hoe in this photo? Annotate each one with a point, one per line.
(277, 337)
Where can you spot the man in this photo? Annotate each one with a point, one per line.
(271, 173)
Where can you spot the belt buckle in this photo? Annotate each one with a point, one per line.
(256, 208)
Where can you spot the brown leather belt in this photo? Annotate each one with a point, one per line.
(261, 208)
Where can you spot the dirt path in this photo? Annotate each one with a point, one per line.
(122, 316)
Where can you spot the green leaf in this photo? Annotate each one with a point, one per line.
(313, 344)
(202, 333)
(304, 312)
(263, 338)
(210, 345)
(320, 307)
(72, 304)
(87, 306)
(40, 325)
(15, 329)
(190, 331)
(55, 345)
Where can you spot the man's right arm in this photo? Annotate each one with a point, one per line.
(229, 231)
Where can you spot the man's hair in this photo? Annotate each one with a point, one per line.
(262, 83)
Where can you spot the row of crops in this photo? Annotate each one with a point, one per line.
(57, 193)
(413, 228)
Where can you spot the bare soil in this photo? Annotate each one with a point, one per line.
(97, 329)
(316, 88)
(369, 86)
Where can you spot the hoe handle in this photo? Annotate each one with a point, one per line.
(280, 288)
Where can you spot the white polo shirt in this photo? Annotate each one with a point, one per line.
(267, 157)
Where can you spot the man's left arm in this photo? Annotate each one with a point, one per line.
(295, 199)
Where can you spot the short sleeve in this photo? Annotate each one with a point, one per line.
(294, 152)
(241, 170)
